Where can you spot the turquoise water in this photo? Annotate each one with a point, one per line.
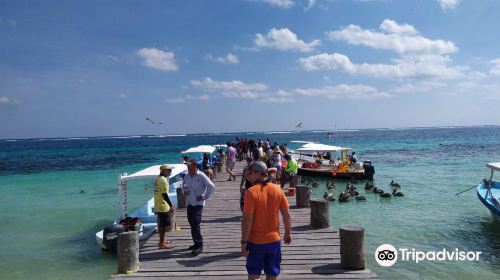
(49, 226)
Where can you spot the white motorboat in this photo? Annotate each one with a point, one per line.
(107, 237)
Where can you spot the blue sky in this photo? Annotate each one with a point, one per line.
(92, 68)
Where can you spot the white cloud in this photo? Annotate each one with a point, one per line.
(343, 91)
(123, 95)
(406, 67)
(239, 89)
(419, 57)
(7, 100)
(229, 58)
(175, 100)
(418, 87)
(448, 4)
(283, 39)
(402, 38)
(158, 59)
(310, 4)
(278, 3)
(495, 70)
(208, 84)
(390, 26)
(204, 97)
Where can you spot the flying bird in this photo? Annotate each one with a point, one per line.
(151, 121)
(299, 125)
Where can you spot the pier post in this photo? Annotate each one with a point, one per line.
(181, 198)
(128, 252)
(352, 254)
(320, 217)
(302, 194)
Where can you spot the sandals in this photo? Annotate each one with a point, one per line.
(166, 246)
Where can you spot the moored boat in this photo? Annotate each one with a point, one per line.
(336, 165)
(146, 223)
(488, 191)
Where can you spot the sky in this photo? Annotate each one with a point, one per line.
(99, 68)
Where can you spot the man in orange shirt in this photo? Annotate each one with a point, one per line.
(260, 236)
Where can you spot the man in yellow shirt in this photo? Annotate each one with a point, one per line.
(163, 206)
(260, 236)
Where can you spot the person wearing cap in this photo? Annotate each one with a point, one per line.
(260, 235)
(163, 206)
(197, 188)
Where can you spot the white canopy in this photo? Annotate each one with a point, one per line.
(220, 145)
(315, 147)
(154, 171)
(494, 166)
(200, 149)
(302, 142)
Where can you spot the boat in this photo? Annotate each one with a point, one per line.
(201, 150)
(146, 225)
(337, 166)
(488, 191)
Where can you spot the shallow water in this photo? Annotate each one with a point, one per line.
(49, 226)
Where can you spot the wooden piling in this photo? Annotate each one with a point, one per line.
(128, 252)
(181, 198)
(352, 254)
(302, 195)
(320, 217)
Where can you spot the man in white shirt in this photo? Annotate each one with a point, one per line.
(197, 188)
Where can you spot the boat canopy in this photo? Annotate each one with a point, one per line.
(220, 145)
(494, 166)
(154, 171)
(302, 142)
(200, 149)
(316, 147)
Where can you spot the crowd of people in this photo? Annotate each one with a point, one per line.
(262, 200)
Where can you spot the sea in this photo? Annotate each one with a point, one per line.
(56, 193)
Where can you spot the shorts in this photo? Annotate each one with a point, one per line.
(264, 256)
(230, 164)
(163, 219)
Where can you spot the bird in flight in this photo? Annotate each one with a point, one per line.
(151, 121)
(299, 125)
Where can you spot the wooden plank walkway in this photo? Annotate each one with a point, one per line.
(313, 254)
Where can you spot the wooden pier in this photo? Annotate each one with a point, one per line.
(313, 254)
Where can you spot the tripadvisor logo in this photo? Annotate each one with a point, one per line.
(386, 255)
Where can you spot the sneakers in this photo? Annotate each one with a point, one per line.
(197, 251)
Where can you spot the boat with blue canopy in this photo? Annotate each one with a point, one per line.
(488, 191)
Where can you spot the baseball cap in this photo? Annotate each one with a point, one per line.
(258, 166)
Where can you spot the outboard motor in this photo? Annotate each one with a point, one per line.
(369, 169)
(110, 236)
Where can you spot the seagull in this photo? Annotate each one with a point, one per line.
(299, 125)
(151, 121)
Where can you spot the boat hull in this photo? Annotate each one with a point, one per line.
(327, 173)
(488, 200)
